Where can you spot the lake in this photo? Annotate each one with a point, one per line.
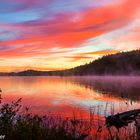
(66, 96)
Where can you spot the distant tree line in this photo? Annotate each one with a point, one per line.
(123, 63)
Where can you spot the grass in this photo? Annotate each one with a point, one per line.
(24, 126)
(19, 124)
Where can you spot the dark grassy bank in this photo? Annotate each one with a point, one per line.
(19, 124)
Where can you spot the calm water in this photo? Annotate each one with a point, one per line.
(66, 95)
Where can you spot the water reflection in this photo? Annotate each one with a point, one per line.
(118, 86)
(63, 95)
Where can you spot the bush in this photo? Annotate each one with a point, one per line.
(25, 126)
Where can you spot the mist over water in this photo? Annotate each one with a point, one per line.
(64, 95)
(120, 86)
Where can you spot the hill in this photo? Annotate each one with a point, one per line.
(124, 63)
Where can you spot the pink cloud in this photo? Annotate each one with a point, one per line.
(65, 32)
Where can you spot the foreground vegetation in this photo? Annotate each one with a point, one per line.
(19, 124)
(22, 125)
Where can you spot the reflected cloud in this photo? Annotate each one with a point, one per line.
(62, 95)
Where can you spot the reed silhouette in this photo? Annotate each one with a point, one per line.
(19, 124)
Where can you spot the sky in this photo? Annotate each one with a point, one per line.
(62, 34)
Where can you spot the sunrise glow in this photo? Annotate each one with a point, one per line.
(54, 35)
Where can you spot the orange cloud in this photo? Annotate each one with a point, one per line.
(77, 57)
(90, 55)
(102, 52)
